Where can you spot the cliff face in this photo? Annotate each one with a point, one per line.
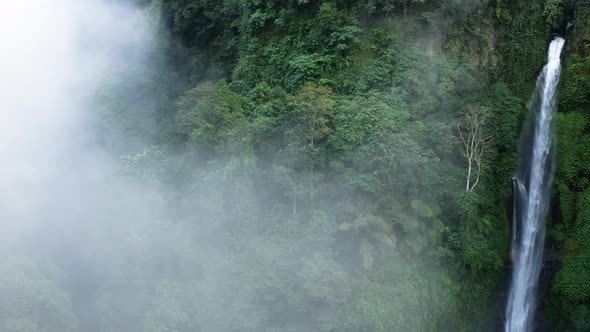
(436, 57)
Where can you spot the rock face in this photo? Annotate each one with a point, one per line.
(551, 264)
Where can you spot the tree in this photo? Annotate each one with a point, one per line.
(31, 296)
(473, 133)
(291, 181)
(373, 235)
(312, 106)
(207, 114)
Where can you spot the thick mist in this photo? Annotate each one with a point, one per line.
(55, 57)
(57, 208)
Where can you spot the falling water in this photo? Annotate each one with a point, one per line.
(532, 187)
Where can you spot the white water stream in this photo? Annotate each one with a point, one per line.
(532, 190)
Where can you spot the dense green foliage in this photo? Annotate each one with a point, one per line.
(301, 171)
(352, 124)
(570, 293)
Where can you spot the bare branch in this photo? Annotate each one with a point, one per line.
(472, 131)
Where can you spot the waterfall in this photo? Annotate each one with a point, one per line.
(532, 191)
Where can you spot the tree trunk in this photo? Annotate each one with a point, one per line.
(311, 169)
(468, 175)
(294, 203)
